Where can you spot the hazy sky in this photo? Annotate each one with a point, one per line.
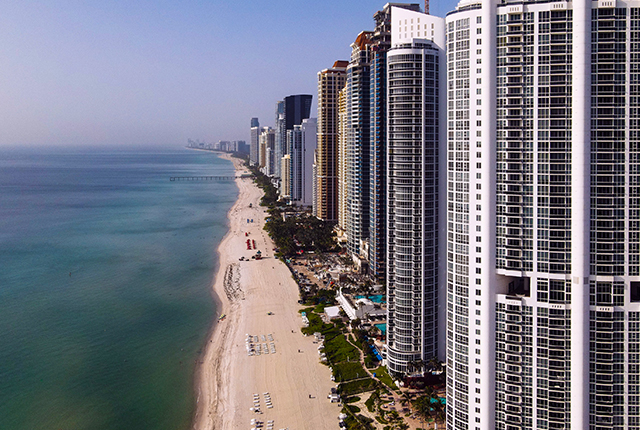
(158, 72)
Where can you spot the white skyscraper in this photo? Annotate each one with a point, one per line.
(304, 166)
(254, 142)
(416, 100)
(543, 215)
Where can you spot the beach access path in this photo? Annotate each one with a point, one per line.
(259, 298)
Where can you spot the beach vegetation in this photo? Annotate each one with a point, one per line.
(270, 197)
(316, 324)
(357, 422)
(357, 386)
(338, 349)
(370, 362)
(319, 308)
(321, 296)
(352, 399)
(300, 232)
(348, 370)
(381, 420)
(354, 409)
(373, 400)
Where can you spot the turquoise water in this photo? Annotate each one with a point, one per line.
(382, 327)
(105, 273)
(375, 298)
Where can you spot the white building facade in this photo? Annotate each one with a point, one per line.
(303, 176)
(416, 98)
(543, 303)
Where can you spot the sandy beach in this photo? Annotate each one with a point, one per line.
(259, 298)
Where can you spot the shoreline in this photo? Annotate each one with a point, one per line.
(221, 304)
(259, 298)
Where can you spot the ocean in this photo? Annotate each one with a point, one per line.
(105, 275)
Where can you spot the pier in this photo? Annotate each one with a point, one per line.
(207, 178)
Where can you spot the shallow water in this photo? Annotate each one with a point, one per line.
(105, 274)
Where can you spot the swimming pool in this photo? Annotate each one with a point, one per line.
(375, 298)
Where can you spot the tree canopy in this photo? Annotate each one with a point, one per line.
(298, 232)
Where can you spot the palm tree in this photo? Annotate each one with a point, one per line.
(435, 364)
(439, 412)
(423, 408)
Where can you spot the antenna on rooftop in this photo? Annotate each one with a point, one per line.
(426, 7)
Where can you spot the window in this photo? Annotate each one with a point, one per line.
(635, 291)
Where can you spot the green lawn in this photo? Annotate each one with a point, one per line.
(338, 349)
(383, 376)
(348, 370)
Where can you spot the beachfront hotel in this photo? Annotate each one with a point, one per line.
(416, 103)
(543, 308)
(330, 82)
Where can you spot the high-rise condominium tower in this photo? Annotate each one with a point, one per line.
(415, 142)
(289, 112)
(254, 142)
(266, 139)
(285, 185)
(357, 130)
(303, 144)
(380, 44)
(330, 82)
(543, 215)
(342, 161)
(280, 139)
(296, 108)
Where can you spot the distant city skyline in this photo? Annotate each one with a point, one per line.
(158, 73)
